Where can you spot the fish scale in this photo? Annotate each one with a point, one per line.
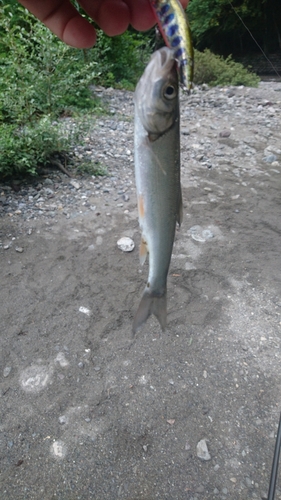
(174, 27)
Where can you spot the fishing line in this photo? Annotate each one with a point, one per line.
(275, 463)
(256, 42)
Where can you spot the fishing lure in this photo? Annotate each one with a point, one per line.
(174, 27)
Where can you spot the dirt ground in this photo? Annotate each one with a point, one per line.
(87, 411)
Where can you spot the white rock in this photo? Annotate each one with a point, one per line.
(63, 420)
(7, 371)
(35, 378)
(75, 184)
(126, 244)
(84, 310)
(202, 450)
(58, 449)
(61, 359)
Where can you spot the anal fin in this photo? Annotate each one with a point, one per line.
(143, 251)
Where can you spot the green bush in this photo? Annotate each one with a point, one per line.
(215, 70)
(38, 73)
(41, 78)
(121, 59)
(23, 149)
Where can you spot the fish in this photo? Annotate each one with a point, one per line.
(157, 176)
(173, 24)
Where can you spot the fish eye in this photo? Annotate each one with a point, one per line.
(170, 92)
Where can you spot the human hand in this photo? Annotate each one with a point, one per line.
(112, 16)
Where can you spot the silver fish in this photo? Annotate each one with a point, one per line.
(157, 172)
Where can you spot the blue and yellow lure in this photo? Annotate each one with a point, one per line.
(174, 27)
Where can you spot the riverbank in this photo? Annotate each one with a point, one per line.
(88, 412)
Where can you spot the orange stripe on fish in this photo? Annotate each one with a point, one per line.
(141, 206)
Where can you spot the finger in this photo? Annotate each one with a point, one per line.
(146, 20)
(63, 20)
(112, 16)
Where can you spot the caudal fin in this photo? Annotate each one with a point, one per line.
(151, 304)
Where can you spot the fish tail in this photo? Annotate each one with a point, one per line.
(151, 304)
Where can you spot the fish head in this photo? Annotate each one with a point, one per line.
(157, 94)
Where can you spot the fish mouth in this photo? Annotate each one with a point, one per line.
(165, 55)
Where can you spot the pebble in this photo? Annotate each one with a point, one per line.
(19, 249)
(249, 482)
(202, 450)
(225, 133)
(84, 310)
(185, 131)
(7, 371)
(270, 158)
(58, 449)
(126, 244)
(75, 184)
(61, 359)
(48, 182)
(63, 420)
